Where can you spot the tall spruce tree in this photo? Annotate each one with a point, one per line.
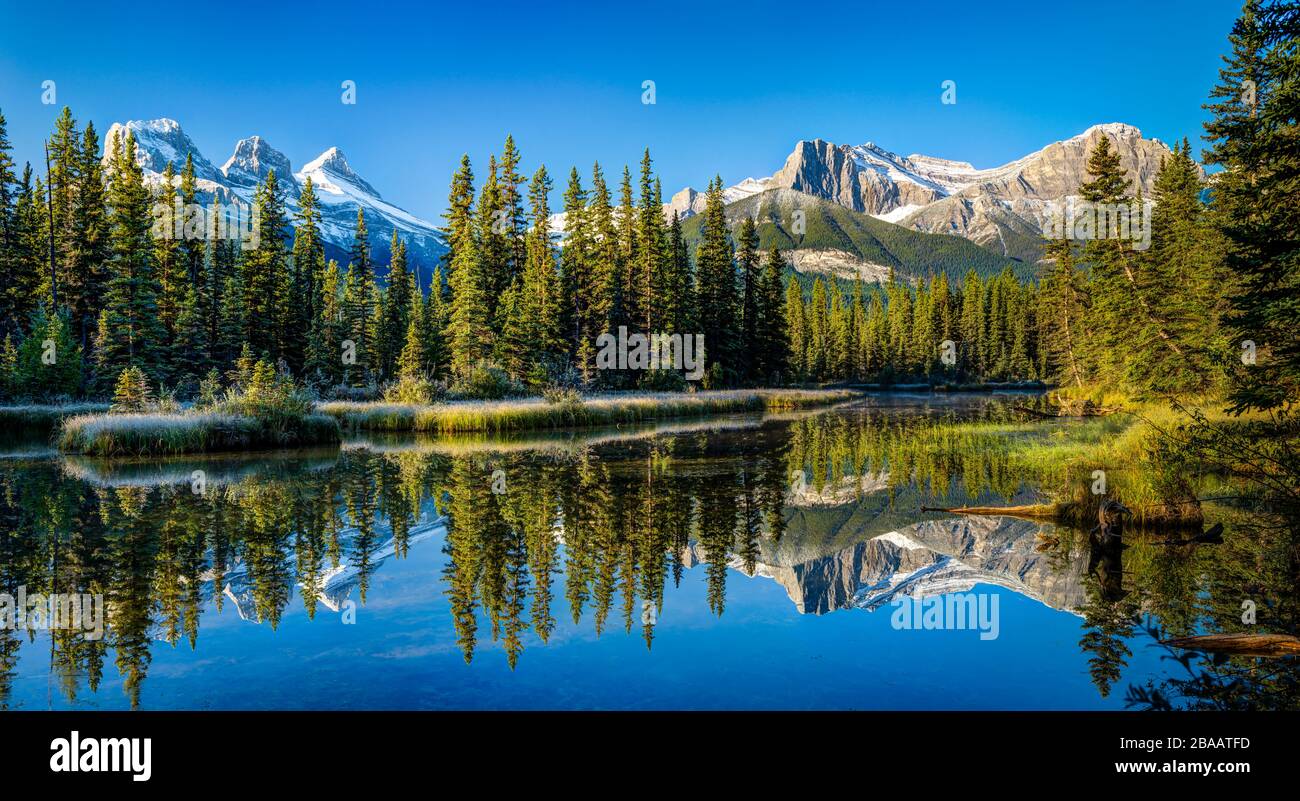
(1252, 135)
(718, 305)
(129, 332)
(469, 335)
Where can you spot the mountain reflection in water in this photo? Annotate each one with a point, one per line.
(511, 543)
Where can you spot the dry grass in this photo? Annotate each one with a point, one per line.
(169, 434)
(520, 415)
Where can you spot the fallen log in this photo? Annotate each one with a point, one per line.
(1267, 645)
(1036, 511)
(1062, 411)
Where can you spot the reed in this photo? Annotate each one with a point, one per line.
(43, 418)
(170, 434)
(525, 414)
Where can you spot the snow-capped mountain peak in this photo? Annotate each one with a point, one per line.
(252, 160)
(330, 171)
(158, 142)
(340, 190)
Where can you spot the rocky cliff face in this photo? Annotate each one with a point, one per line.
(1002, 209)
(925, 559)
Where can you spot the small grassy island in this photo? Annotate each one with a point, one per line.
(262, 409)
(259, 410)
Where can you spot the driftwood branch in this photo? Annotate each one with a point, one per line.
(1084, 410)
(1270, 645)
(1036, 511)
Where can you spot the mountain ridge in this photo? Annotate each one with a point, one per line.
(340, 190)
(1001, 208)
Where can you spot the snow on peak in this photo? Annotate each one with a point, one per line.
(253, 159)
(1117, 129)
(330, 173)
(333, 160)
(158, 142)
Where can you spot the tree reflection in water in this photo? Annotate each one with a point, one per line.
(610, 524)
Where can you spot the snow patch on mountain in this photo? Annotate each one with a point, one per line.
(339, 188)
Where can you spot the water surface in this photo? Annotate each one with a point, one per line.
(749, 562)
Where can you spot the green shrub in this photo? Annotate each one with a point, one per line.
(562, 396)
(663, 381)
(485, 381)
(412, 390)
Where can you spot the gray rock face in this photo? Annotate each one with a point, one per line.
(252, 160)
(857, 178)
(1003, 209)
(925, 559)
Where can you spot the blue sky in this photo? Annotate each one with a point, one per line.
(736, 84)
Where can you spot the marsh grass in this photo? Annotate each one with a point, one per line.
(43, 418)
(520, 415)
(1062, 458)
(171, 434)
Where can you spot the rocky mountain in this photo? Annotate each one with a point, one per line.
(1002, 209)
(820, 236)
(340, 189)
(925, 559)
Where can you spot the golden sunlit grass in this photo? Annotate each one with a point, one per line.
(524, 414)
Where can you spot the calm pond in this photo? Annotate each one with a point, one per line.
(748, 562)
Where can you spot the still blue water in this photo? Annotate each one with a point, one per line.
(733, 639)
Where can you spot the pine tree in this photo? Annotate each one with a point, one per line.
(265, 275)
(411, 364)
(308, 275)
(359, 303)
(469, 336)
(819, 331)
(395, 316)
(231, 319)
(747, 260)
(9, 256)
(64, 158)
(718, 305)
(646, 276)
(1065, 310)
(797, 326)
(586, 303)
(496, 239)
(1252, 136)
(48, 364)
(679, 284)
(26, 256)
(435, 324)
(131, 392)
(512, 345)
(168, 267)
(129, 333)
(540, 300)
(511, 181)
(86, 249)
(606, 260)
(773, 328)
(325, 344)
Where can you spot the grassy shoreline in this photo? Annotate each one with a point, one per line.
(44, 418)
(173, 434)
(533, 414)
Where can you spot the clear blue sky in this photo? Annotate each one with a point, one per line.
(737, 84)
